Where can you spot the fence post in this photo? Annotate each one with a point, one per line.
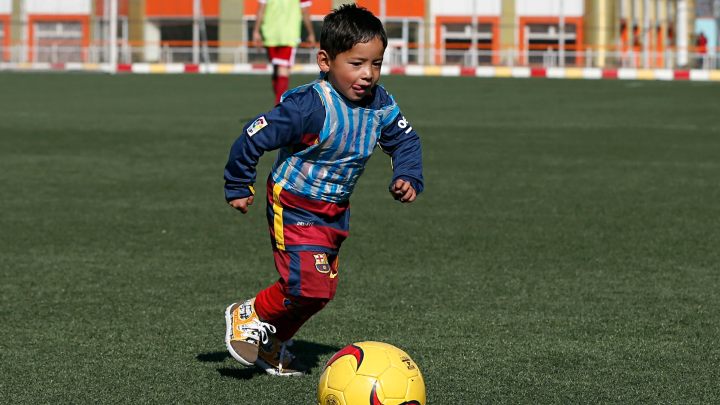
(113, 36)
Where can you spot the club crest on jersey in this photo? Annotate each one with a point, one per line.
(256, 126)
(321, 263)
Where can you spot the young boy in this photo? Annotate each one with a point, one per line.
(326, 131)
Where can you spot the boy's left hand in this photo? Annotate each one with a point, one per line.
(403, 191)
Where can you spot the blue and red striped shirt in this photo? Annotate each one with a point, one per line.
(325, 142)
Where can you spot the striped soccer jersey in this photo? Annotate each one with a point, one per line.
(325, 142)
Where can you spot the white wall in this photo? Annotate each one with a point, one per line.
(152, 41)
(465, 7)
(544, 8)
(57, 6)
(523, 8)
(5, 6)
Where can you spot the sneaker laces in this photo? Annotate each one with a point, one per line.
(259, 330)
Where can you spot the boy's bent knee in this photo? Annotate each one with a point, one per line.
(302, 306)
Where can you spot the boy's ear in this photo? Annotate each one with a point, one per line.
(323, 61)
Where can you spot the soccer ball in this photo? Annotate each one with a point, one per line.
(371, 373)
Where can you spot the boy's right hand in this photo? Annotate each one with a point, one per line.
(242, 204)
(403, 191)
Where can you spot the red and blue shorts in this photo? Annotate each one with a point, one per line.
(306, 236)
(281, 55)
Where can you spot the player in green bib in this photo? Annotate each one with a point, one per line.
(277, 27)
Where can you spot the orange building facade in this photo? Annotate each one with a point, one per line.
(4, 36)
(427, 32)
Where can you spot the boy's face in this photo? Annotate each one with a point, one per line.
(356, 71)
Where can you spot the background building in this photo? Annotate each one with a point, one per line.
(549, 33)
(706, 24)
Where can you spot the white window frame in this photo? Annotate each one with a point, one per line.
(60, 33)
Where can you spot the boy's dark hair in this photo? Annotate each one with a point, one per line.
(348, 25)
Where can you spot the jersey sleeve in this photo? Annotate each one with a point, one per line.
(402, 143)
(282, 126)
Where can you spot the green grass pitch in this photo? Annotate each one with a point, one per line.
(566, 250)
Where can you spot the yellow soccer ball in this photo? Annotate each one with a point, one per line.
(371, 373)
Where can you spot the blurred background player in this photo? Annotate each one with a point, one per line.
(277, 27)
(326, 131)
(701, 47)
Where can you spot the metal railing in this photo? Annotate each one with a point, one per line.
(395, 56)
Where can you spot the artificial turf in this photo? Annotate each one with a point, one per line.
(566, 249)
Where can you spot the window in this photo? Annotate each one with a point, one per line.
(58, 41)
(543, 42)
(704, 8)
(457, 39)
(403, 41)
(176, 36)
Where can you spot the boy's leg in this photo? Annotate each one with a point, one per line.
(287, 313)
(306, 237)
(282, 81)
(307, 285)
(282, 59)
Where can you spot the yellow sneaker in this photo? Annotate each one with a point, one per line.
(245, 332)
(275, 358)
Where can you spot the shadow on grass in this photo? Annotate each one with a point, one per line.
(308, 352)
(240, 373)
